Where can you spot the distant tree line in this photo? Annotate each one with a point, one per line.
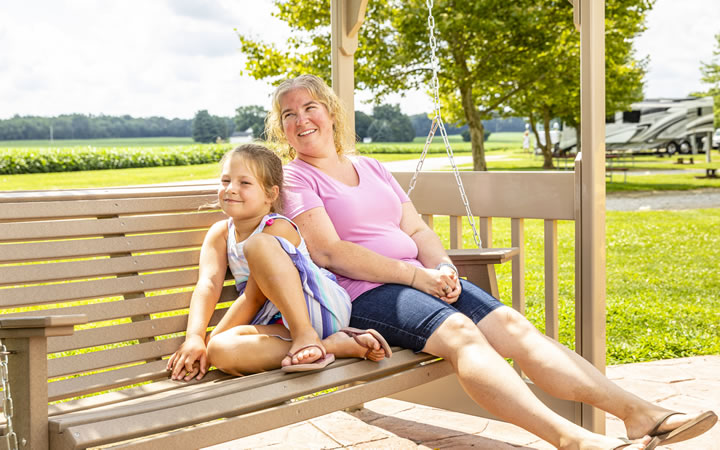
(208, 128)
(422, 122)
(80, 126)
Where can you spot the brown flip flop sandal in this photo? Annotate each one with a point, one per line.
(355, 332)
(692, 429)
(629, 442)
(318, 364)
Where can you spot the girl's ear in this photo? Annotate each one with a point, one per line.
(274, 193)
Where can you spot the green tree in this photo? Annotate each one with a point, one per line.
(362, 123)
(203, 127)
(557, 95)
(252, 117)
(389, 124)
(485, 50)
(711, 76)
(489, 51)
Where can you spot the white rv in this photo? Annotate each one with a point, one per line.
(674, 125)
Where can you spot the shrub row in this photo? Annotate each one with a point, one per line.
(71, 159)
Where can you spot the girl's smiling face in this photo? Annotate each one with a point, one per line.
(307, 124)
(241, 195)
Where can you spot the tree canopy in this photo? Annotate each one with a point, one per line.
(207, 128)
(251, 117)
(711, 76)
(489, 52)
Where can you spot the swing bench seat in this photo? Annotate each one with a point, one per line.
(94, 290)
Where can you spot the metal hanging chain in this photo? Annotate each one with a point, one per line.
(438, 123)
(10, 436)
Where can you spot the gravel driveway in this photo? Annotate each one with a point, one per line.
(663, 200)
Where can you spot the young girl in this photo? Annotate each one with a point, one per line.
(286, 302)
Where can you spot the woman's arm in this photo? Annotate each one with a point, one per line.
(355, 261)
(213, 266)
(431, 254)
(346, 258)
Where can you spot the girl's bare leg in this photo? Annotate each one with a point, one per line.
(563, 373)
(279, 281)
(248, 349)
(493, 384)
(243, 310)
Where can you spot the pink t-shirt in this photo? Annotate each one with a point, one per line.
(367, 214)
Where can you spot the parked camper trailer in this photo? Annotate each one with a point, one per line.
(672, 125)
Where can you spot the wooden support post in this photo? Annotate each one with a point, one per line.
(456, 235)
(346, 17)
(590, 312)
(551, 279)
(27, 368)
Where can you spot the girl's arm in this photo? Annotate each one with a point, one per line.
(354, 261)
(191, 358)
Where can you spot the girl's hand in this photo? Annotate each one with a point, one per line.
(190, 360)
(441, 283)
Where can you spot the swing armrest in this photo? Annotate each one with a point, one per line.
(482, 255)
(61, 325)
(478, 265)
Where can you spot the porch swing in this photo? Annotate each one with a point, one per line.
(439, 124)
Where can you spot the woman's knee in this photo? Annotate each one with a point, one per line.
(457, 332)
(508, 331)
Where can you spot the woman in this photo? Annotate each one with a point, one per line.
(359, 224)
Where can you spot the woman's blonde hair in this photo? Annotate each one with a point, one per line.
(265, 165)
(323, 94)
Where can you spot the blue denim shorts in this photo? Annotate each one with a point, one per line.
(407, 317)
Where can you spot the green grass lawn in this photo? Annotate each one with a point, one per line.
(663, 286)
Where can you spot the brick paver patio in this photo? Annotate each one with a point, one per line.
(686, 384)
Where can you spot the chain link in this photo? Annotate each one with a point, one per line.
(438, 123)
(10, 436)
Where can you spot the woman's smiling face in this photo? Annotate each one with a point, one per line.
(307, 124)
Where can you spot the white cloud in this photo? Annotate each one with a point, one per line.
(679, 37)
(175, 57)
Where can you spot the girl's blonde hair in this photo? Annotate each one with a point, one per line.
(265, 165)
(320, 92)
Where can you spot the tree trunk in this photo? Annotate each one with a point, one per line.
(547, 149)
(475, 126)
(577, 140)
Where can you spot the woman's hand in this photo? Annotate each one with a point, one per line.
(441, 283)
(190, 360)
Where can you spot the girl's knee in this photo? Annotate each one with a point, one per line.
(258, 243)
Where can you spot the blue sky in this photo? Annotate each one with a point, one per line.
(174, 57)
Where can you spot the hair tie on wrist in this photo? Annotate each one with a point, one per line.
(414, 274)
(447, 264)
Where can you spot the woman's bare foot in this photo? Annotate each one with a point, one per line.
(639, 425)
(305, 349)
(343, 345)
(600, 442)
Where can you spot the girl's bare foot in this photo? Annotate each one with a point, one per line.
(343, 345)
(305, 349)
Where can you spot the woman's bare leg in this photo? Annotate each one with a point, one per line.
(563, 373)
(493, 384)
